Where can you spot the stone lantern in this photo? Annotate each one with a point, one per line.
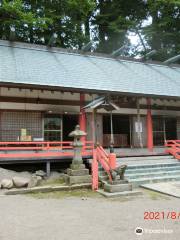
(77, 173)
(77, 145)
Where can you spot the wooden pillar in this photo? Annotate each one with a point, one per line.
(93, 126)
(82, 116)
(149, 127)
(48, 168)
(139, 129)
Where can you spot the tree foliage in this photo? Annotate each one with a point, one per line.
(36, 21)
(163, 34)
(156, 23)
(18, 15)
(114, 20)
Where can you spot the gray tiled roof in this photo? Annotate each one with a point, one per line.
(25, 65)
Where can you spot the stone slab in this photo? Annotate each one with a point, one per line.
(112, 188)
(79, 179)
(44, 189)
(117, 182)
(120, 194)
(77, 166)
(78, 172)
(168, 188)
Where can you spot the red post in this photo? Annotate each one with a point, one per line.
(149, 127)
(82, 116)
(94, 171)
(112, 160)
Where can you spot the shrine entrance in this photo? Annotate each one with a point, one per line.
(164, 128)
(121, 130)
(69, 122)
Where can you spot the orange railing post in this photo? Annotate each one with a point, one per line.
(94, 171)
(112, 160)
(102, 157)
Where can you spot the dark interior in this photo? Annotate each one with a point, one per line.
(121, 129)
(164, 129)
(171, 128)
(69, 123)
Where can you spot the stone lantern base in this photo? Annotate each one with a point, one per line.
(77, 173)
(117, 186)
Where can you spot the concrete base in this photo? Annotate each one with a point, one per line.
(75, 166)
(78, 172)
(78, 179)
(44, 189)
(115, 182)
(119, 194)
(115, 188)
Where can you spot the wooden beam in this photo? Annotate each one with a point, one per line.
(40, 101)
(81, 90)
(131, 105)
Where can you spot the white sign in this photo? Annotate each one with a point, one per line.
(138, 127)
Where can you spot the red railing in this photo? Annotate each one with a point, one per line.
(41, 149)
(173, 147)
(101, 156)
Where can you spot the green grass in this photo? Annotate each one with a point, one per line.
(59, 181)
(155, 195)
(83, 193)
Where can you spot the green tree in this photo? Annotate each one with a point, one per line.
(114, 19)
(163, 33)
(107, 22)
(36, 21)
(68, 19)
(17, 15)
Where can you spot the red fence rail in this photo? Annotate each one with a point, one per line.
(173, 147)
(41, 149)
(105, 159)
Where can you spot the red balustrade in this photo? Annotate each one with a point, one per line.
(41, 149)
(173, 147)
(101, 156)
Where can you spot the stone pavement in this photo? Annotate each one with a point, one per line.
(53, 217)
(169, 188)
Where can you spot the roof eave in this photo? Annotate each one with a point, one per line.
(83, 90)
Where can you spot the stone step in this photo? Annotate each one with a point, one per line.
(120, 194)
(156, 165)
(141, 158)
(152, 175)
(141, 181)
(103, 178)
(146, 164)
(129, 163)
(149, 170)
(102, 173)
(140, 172)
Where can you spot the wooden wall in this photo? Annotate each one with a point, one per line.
(178, 127)
(99, 127)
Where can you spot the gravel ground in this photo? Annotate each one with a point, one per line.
(95, 218)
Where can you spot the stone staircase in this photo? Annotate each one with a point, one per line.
(148, 169)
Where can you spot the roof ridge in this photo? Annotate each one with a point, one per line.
(45, 48)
